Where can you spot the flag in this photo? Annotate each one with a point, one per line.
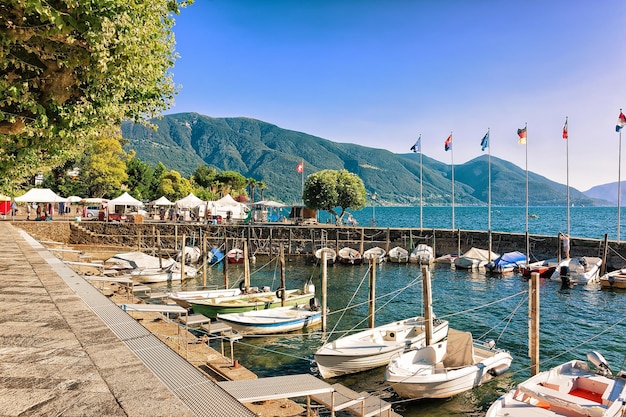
(565, 130)
(522, 136)
(418, 145)
(621, 122)
(300, 167)
(484, 142)
(448, 143)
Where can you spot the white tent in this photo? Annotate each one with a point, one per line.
(227, 207)
(40, 195)
(123, 200)
(163, 201)
(189, 202)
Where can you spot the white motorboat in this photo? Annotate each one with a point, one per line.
(274, 320)
(615, 279)
(372, 348)
(375, 252)
(571, 389)
(349, 256)
(171, 273)
(581, 270)
(184, 298)
(422, 254)
(398, 255)
(447, 368)
(331, 255)
(447, 259)
(475, 258)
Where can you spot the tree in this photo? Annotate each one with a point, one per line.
(70, 69)
(139, 177)
(204, 176)
(262, 186)
(104, 170)
(157, 175)
(232, 182)
(251, 183)
(329, 189)
(174, 186)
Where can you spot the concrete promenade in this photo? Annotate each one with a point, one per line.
(58, 357)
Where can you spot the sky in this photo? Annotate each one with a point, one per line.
(382, 73)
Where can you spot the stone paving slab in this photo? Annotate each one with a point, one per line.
(57, 358)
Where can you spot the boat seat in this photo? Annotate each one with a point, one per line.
(551, 396)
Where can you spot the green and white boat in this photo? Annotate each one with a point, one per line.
(252, 301)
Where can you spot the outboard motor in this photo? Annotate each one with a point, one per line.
(600, 363)
(564, 275)
(314, 304)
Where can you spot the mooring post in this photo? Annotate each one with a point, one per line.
(533, 304)
(324, 291)
(372, 295)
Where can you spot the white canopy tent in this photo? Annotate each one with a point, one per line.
(125, 200)
(189, 202)
(227, 207)
(163, 201)
(40, 195)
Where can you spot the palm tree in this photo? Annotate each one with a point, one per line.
(251, 182)
(262, 187)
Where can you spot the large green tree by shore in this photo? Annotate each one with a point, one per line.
(329, 189)
(68, 69)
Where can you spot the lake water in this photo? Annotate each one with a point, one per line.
(573, 321)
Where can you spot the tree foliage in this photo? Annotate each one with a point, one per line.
(174, 186)
(104, 171)
(69, 68)
(139, 177)
(329, 189)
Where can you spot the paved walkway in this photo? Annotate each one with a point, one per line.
(58, 357)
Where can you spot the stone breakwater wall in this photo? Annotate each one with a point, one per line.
(265, 239)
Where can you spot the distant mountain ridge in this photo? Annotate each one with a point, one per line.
(267, 152)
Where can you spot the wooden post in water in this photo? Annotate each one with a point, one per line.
(206, 259)
(289, 243)
(282, 275)
(159, 246)
(533, 307)
(372, 297)
(428, 309)
(458, 243)
(387, 242)
(362, 240)
(324, 290)
(225, 264)
(182, 261)
(246, 267)
(138, 239)
(434, 245)
(604, 254)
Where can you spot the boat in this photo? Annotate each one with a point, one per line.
(398, 255)
(259, 300)
(215, 256)
(422, 254)
(373, 348)
(544, 268)
(615, 279)
(571, 389)
(275, 320)
(450, 367)
(506, 263)
(331, 255)
(447, 259)
(580, 270)
(170, 273)
(375, 252)
(183, 298)
(192, 255)
(349, 256)
(474, 258)
(129, 261)
(235, 256)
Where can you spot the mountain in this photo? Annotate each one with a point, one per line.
(607, 193)
(267, 152)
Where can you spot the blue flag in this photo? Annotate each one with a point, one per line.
(418, 145)
(485, 142)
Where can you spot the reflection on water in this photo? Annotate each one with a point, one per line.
(571, 321)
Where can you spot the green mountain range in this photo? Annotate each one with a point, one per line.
(266, 152)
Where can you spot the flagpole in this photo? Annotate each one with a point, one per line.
(619, 182)
(567, 167)
(302, 192)
(452, 159)
(527, 238)
(489, 190)
(421, 194)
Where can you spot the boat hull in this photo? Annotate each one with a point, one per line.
(289, 319)
(248, 302)
(373, 348)
(614, 280)
(184, 298)
(582, 271)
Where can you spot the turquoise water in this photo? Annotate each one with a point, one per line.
(590, 222)
(572, 321)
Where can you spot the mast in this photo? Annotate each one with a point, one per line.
(565, 136)
(449, 147)
(421, 194)
(619, 173)
(527, 238)
(485, 144)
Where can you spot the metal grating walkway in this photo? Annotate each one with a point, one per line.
(198, 392)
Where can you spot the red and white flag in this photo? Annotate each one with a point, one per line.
(565, 130)
(300, 167)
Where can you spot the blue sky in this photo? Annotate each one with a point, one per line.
(380, 73)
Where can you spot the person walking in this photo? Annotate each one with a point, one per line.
(28, 209)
